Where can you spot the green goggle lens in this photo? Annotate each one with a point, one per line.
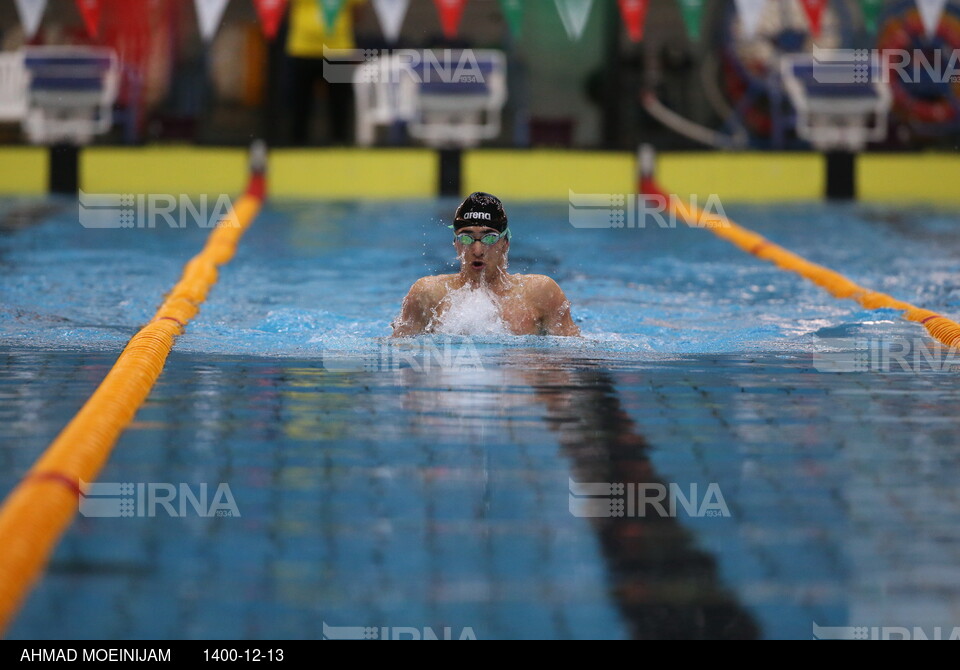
(488, 239)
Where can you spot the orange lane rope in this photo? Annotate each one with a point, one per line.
(39, 510)
(940, 327)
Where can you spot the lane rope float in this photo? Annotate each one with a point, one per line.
(42, 505)
(941, 328)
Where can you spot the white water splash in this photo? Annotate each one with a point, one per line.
(472, 311)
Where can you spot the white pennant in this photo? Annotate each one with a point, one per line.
(574, 14)
(930, 13)
(390, 14)
(749, 11)
(209, 13)
(30, 11)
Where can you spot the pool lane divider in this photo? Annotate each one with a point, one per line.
(940, 327)
(39, 510)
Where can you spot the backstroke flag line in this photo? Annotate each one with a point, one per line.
(930, 13)
(209, 13)
(270, 13)
(692, 11)
(634, 13)
(451, 11)
(814, 11)
(749, 11)
(330, 10)
(513, 13)
(30, 11)
(390, 14)
(574, 14)
(90, 13)
(871, 14)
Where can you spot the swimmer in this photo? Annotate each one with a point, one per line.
(527, 304)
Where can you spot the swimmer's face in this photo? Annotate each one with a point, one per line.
(478, 257)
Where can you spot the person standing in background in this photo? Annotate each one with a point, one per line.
(306, 40)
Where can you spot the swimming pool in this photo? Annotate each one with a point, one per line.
(426, 487)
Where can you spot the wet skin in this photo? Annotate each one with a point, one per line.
(528, 304)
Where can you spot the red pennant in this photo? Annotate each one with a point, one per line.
(270, 13)
(90, 13)
(814, 11)
(451, 11)
(634, 14)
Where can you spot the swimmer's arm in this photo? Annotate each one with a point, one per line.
(557, 319)
(415, 313)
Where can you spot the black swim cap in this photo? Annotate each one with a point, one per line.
(481, 209)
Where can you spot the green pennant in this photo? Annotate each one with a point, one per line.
(692, 11)
(871, 14)
(330, 9)
(513, 13)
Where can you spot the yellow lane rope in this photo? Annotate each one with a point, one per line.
(940, 327)
(41, 507)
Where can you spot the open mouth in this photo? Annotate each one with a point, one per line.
(477, 265)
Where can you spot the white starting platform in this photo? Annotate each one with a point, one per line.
(445, 100)
(840, 98)
(59, 94)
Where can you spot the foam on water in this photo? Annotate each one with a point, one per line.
(472, 311)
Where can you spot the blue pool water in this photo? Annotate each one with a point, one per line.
(426, 485)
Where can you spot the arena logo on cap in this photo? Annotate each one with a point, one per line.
(478, 215)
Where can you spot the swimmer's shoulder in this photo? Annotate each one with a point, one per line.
(432, 287)
(545, 292)
(539, 284)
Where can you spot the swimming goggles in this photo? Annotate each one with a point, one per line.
(488, 239)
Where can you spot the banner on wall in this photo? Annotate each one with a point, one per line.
(634, 13)
(270, 13)
(814, 11)
(574, 14)
(749, 12)
(451, 11)
(390, 14)
(30, 11)
(209, 13)
(930, 13)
